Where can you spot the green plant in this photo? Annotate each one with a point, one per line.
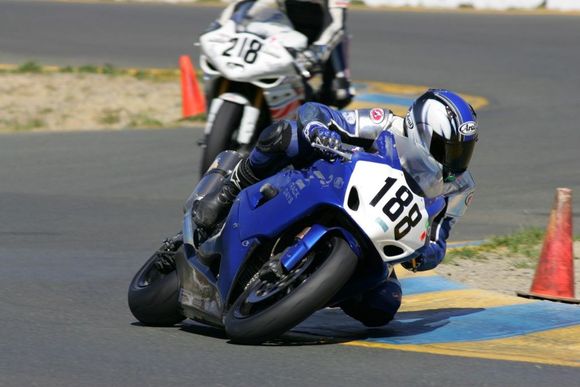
(110, 116)
(143, 120)
(17, 125)
(29, 67)
(109, 69)
(199, 118)
(90, 69)
(472, 253)
(525, 242)
(140, 74)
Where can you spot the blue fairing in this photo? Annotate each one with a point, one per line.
(300, 194)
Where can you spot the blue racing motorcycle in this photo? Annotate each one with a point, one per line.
(299, 241)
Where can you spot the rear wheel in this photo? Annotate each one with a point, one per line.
(273, 303)
(154, 291)
(227, 122)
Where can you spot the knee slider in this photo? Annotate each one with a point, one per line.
(275, 138)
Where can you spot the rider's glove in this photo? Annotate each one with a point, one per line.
(413, 264)
(433, 253)
(311, 58)
(318, 133)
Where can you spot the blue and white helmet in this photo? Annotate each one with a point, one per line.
(445, 125)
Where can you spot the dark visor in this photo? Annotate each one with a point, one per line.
(453, 155)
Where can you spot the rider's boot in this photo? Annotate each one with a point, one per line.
(336, 91)
(343, 91)
(212, 209)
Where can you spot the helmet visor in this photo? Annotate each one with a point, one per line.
(454, 155)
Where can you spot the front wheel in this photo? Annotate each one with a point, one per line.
(154, 293)
(272, 304)
(227, 121)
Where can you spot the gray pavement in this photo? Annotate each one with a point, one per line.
(80, 212)
(525, 65)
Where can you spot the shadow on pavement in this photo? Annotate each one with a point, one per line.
(332, 326)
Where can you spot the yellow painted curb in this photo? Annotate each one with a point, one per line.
(460, 298)
(560, 347)
(408, 91)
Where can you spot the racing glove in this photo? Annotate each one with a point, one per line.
(312, 58)
(432, 254)
(318, 133)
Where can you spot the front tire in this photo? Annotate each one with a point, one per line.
(154, 295)
(267, 310)
(227, 121)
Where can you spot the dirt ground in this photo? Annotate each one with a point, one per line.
(71, 101)
(64, 102)
(501, 273)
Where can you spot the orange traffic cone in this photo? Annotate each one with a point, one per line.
(554, 278)
(193, 102)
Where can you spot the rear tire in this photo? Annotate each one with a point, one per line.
(227, 121)
(154, 296)
(328, 267)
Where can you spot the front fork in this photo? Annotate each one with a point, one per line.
(306, 241)
(250, 116)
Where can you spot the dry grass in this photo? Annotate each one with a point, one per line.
(34, 97)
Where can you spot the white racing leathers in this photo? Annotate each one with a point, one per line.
(324, 24)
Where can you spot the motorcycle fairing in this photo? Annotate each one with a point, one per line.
(198, 294)
(300, 193)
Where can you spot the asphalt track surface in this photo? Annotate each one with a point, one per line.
(80, 212)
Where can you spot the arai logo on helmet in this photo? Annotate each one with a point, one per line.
(469, 128)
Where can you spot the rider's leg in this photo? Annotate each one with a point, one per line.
(211, 209)
(336, 86)
(343, 89)
(279, 145)
(378, 306)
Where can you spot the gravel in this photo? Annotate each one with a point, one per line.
(501, 273)
(64, 102)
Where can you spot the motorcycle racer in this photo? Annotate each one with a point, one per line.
(324, 24)
(440, 126)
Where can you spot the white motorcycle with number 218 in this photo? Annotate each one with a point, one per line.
(252, 78)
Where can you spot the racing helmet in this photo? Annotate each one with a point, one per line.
(446, 126)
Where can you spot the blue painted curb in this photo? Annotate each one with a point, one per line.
(384, 99)
(476, 324)
(421, 285)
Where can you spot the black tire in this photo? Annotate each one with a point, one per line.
(336, 264)
(227, 121)
(153, 295)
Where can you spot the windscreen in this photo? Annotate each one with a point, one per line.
(426, 172)
(421, 167)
